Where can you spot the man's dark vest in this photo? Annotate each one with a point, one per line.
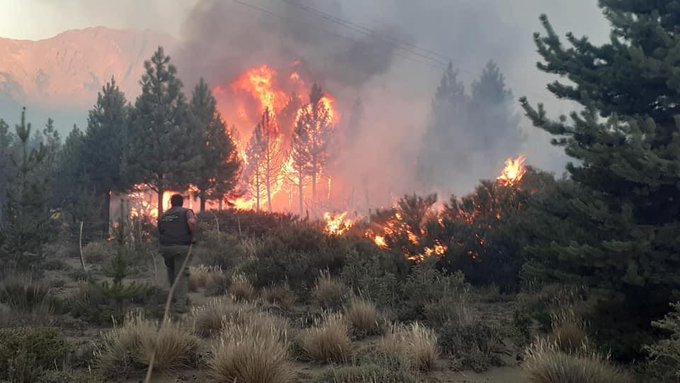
(174, 228)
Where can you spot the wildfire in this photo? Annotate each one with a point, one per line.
(513, 172)
(337, 224)
(260, 84)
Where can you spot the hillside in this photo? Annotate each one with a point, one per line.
(61, 76)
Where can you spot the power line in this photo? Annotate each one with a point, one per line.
(422, 59)
(405, 45)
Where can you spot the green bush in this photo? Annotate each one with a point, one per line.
(664, 355)
(472, 344)
(102, 303)
(425, 285)
(296, 254)
(246, 223)
(98, 252)
(26, 353)
(218, 249)
(375, 275)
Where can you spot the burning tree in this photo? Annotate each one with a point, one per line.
(311, 139)
(215, 168)
(158, 152)
(265, 159)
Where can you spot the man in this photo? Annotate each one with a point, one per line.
(177, 229)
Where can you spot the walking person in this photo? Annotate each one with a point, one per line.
(177, 231)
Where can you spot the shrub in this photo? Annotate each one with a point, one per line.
(328, 341)
(375, 276)
(471, 343)
(28, 353)
(296, 254)
(414, 345)
(100, 303)
(329, 293)
(98, 252)
(209, 319)
(545, 363)
(251, 354)
(446, 310)
(128, 348)
(241, 289)
(25, 295)
(218, 249)
(426, 284)
(279, 295)
(665, 353)
(364, 318)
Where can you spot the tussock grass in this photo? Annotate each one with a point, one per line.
(545, 363)
(568, 331)
(363, 318)
(329, 293)
(241, 289)
(128, 348)
(328, 341)
(251, 353)
(414, 345)
(280, 295)
(211, 278)
(26, 295)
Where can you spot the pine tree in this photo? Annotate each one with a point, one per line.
(314, 126)
(6, 146)
(494, 124)
(438, 156)
(159, 152)
(266, 158)
(215, 169)
(26, 226)
(103, 146)
(616, 229)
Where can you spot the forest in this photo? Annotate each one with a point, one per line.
(531, 277)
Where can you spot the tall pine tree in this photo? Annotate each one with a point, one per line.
(616, 230)
(215, 168)
(103, 145)
(160, 150)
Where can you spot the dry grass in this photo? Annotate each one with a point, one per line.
(545, 363)
(23, 294)
(128, 348)
(414, 345)
(280, 295)
(328, 341)
(568, 332)
(241, 289)
(329, 293)
(251, 354)
(210, 278)
(364, 318)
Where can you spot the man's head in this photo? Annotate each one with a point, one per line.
(176, 200)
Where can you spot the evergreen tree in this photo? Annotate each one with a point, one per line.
(616, 229)
(266, 158)
(159, 152)
(439, 158)
(494, 124)
(215, 169)
(103, 146)
(315, 126)
(26, 226)
(6, 146)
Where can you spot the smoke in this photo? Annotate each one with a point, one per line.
(389, 54)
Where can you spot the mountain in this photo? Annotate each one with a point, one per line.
(59, 77)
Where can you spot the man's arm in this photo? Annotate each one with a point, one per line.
(193, 224)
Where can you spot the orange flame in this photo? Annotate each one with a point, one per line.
(513, 172)
(337, 224)
(260, 83)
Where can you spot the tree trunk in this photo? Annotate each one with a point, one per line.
(202, 197)
(106, 214)
(269, 193)
(314, 186)
(257, 192)
(300, 191)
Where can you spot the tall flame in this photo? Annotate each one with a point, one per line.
(513, 172)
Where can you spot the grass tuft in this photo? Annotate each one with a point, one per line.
(328, 341)
(414, 345)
